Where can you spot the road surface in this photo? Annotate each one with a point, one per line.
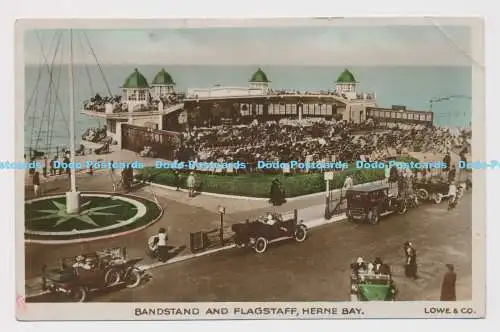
(318, 269)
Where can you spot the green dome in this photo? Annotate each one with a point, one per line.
(259, 77)
(136, 81)
(163, 78)
(346, 77)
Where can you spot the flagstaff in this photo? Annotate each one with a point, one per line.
(72, 197)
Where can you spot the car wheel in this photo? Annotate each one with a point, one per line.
(437, 198)
(78, 294)
(300, 233)
(373, 216)
(422, 194)
(112, 277)
(134, 278)
(403, 207)
(260, 245)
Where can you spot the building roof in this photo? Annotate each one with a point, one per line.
(136, 81)
(259, 77)
(369, 187)
(163, 78)
(346, 77)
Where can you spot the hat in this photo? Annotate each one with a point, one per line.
(360, 260)
(270, 217)
(79, 258)
(450, 266)
(407, 243)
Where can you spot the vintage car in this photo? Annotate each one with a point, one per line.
(80, 275)
(368, 203)
(435, 191)
(372, 287)
(432, 190)
(274, 227)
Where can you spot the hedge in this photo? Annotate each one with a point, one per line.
(258, 184)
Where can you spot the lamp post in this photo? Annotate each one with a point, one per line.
(222, 211)
(328, 178)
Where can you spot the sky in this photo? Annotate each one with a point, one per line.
(411, 45)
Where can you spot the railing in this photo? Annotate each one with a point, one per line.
(203, 240)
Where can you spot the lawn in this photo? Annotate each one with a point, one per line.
(258, 184)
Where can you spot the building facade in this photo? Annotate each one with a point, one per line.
(158, 107)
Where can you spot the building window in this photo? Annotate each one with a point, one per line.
(282, 109)
(141, 95)
(245, 110)
(132, 95)
(429, 117)
(410, 116)
(329, 109)
(270, 109)
(260, 109)
(305, 109)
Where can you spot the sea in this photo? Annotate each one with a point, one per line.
(47, 111)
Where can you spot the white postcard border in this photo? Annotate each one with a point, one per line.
(121, 311)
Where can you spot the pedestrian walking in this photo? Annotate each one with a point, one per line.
(45, 166)
(53, 166)
(448, 292)
(411, 260)
(190, 183)
(276, 193)
(66, 161)
(452, 195)
(452, 174)
(447, 162)
(162, 245)
(124, 180)
(177, 180)
(36, 183)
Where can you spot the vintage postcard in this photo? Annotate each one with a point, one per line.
(250, 169)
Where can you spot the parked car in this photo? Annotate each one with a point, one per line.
(78, 276)
(259, 233)
(368, 203)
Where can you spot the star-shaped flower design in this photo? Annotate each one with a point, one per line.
(84, 216)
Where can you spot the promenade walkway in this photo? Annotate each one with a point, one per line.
(182, 215)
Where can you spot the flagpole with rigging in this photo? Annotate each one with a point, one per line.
(72, 197)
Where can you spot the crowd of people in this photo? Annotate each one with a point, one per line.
(95, 135)
(327, 141)
(291, 92)
(98, 103)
